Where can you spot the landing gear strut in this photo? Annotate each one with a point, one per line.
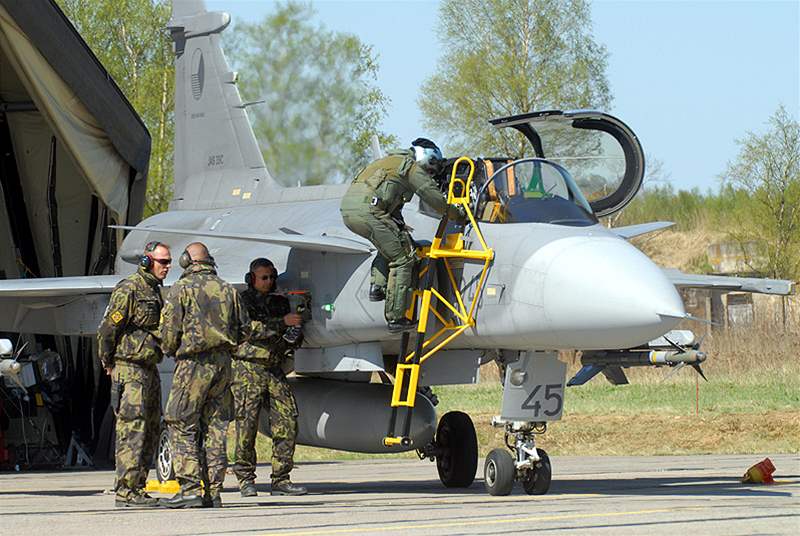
(528, 464)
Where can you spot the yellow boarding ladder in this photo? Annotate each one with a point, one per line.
(444, 247)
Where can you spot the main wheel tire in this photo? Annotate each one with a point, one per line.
(458, 459)
(537, 480)
(499, 472)
(164, 469)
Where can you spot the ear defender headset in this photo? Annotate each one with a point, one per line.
(261, 261)
(186, 260)
(145, 261)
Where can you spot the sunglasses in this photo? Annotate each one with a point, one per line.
(165, 262)
(268, 277)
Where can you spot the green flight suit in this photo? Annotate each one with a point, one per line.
(127, 340)
(202, 322)
(258, 380)
(377, 193)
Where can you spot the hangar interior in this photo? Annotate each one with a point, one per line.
(73, 160)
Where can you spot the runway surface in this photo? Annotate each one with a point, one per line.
(603, 495)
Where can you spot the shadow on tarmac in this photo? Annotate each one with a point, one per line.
(662, 486)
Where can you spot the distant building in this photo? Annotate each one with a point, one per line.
(731, 310)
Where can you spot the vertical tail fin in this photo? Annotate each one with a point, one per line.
(217, 160)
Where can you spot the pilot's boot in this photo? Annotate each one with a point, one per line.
(285, 487)
(179, 500)
(248, 489)
(376, 293)
(399, 326)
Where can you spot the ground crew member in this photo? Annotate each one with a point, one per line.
(372, 208)
(128, 348)
(257, 372)
(202, 322)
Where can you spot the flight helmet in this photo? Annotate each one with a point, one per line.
(427, 155)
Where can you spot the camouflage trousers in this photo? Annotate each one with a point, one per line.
(198, 411)
(136, 398)
(396, 255)
(255, 385)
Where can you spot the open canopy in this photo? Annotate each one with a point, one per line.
(601, 153)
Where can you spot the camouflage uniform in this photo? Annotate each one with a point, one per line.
(372, 208)
(127, 340)
(202, 322)
(256, 373)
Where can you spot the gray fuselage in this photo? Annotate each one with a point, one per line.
(549, 286)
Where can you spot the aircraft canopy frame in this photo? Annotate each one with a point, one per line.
(601, 152)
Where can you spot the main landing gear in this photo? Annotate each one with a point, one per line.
(455, 450)
(164, 469)
(528, 464)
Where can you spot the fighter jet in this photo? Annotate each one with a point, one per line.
(557, 278)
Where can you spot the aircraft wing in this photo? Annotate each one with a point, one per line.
(55, 305)
(718, 282)
(629, 231)
(58, 287)
(322, 243)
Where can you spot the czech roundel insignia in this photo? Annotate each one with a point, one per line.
(117, 317)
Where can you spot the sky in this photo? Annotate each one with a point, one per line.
(690, 78)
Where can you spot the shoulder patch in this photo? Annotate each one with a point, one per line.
(117, 317)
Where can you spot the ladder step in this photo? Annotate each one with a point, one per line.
(399, 379)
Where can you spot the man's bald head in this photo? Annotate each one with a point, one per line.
(196, 252)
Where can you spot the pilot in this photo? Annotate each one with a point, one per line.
(372, 208)
(202, 322)
(257, 374)
(128, 348)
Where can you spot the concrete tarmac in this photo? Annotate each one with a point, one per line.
(603, 495)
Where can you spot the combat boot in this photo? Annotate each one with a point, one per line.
(212, 501)
(285, 487)
(136, 500)
(248, 489)
(404, 324)
(376, 293)
(179, 500)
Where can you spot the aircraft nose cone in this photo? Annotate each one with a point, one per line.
(603, 293)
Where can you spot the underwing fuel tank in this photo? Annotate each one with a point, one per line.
(353, 416)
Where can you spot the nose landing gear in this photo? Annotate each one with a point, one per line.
(528, 464)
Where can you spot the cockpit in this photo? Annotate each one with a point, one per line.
(585, 165)
(530, 190)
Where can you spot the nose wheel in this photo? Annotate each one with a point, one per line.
(536, 481)
(499, 472)
(528, 464)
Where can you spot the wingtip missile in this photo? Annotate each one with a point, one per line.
(611, 362)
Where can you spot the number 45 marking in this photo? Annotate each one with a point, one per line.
(552, 391)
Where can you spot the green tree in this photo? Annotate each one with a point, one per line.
(768, 168)
(505, 57)
(321, 106)
(130, 40)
